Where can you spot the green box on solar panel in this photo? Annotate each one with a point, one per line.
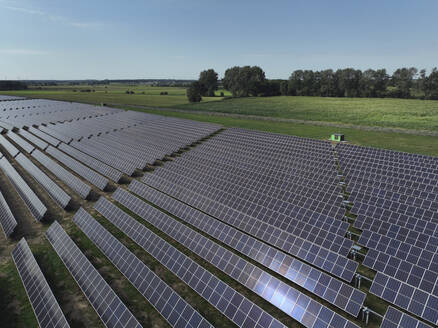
(337, 137)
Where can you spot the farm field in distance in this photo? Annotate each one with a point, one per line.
(409, 114)
(113, 94)
(386, 112)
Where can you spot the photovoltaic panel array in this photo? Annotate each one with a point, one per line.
(284, 297)
(10, 148)
(47, 138)
(72, 181)
(88, 174)
(104, 300)
(35, 112)
(9, 98)
(397, 319)
(44, 303)
(236, 307)
(232, 177)
(413, 300)
(47, 129)
(31, 200)
(7, 219)
(97, 165)
(317, 282)
(33, 139)
(168, 303)
(57, 193)
(394, 196)
(20, 142)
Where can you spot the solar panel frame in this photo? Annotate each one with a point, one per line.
(85, 172)
(92, 162)
(54, 191)
(249, 275)
(10, 148)
(232, 304)
(47, 138)
(44, 304)
(397, 319)
(411, 299)
(20, 142)
(165, 300)
(109, 307)
(321, 257)
(72, 181)
(33, 139)
(311, 279)
(7, 219)
(33, 203)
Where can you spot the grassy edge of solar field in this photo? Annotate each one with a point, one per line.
(425, 145)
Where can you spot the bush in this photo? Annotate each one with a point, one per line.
(194, 92)
(164, 93)
(222, 94)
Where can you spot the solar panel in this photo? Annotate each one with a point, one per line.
(168, 303)
(300, 217)
(72, 181)
(313, 280)
(58, 195)
(88, 174)
(321, 257)
(44, 304)
(31, 200)
(10, 148)
(232, 304)
(404, 251)
(53, 133)
(262, 283)
(104, 300)
(20, 142)
(396, 319)
(95, 164)
(414, 275)
(36, 141)
(411, 299)
(53, 141)
(7, 219)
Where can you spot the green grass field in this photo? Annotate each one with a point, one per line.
(384, 113)
(114, 94)
(393, 113)
(427, 145)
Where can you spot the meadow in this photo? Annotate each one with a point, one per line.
(114, 93)
(391, 113)
(355, 112)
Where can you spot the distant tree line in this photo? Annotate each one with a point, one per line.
(349, 82)
(251, 81)
(12, 85)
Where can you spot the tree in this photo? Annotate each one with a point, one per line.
(403, 79)
(209, 82)
(431, 85)
(348, 82)
(327, 83)
(244, 81)
(194, 92)
(284, 88)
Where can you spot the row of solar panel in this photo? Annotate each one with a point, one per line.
(319, 256)
(297, 305)
(296, 271)
(398, 220)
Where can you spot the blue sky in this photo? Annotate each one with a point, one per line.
(57, 39)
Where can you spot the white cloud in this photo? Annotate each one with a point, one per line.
(55, 18)
(22, 52)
